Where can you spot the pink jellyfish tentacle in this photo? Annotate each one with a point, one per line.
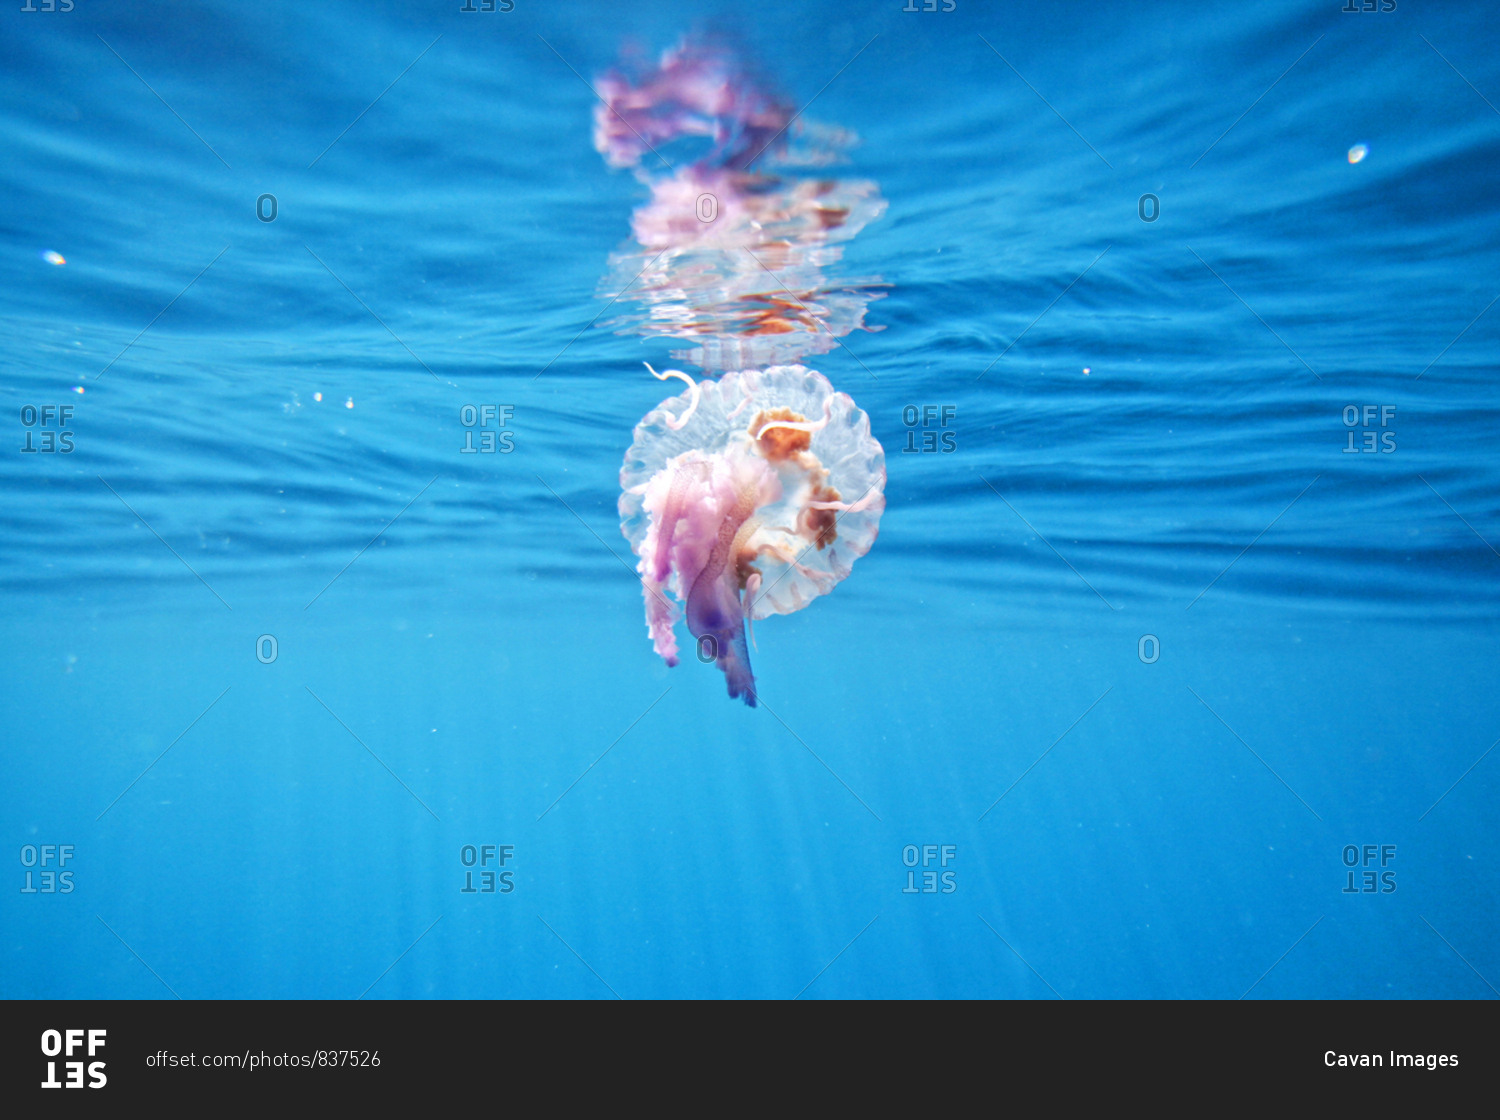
(661, 617)
(679, 503)
(681, 421)
(747, 389)
(869, 501)
(661, 551)
(800, 425)
(752, 588)
(793, 560)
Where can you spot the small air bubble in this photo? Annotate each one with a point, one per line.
(1358, 152)
(349, 403)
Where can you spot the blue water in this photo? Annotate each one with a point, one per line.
(1154, 443)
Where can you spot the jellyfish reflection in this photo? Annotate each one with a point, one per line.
(734, 260)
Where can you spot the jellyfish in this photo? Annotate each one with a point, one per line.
(747, 497)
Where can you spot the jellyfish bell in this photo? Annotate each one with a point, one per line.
(747, 497)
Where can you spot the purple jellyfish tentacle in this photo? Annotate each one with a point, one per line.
(736, 666)
(714, 608)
